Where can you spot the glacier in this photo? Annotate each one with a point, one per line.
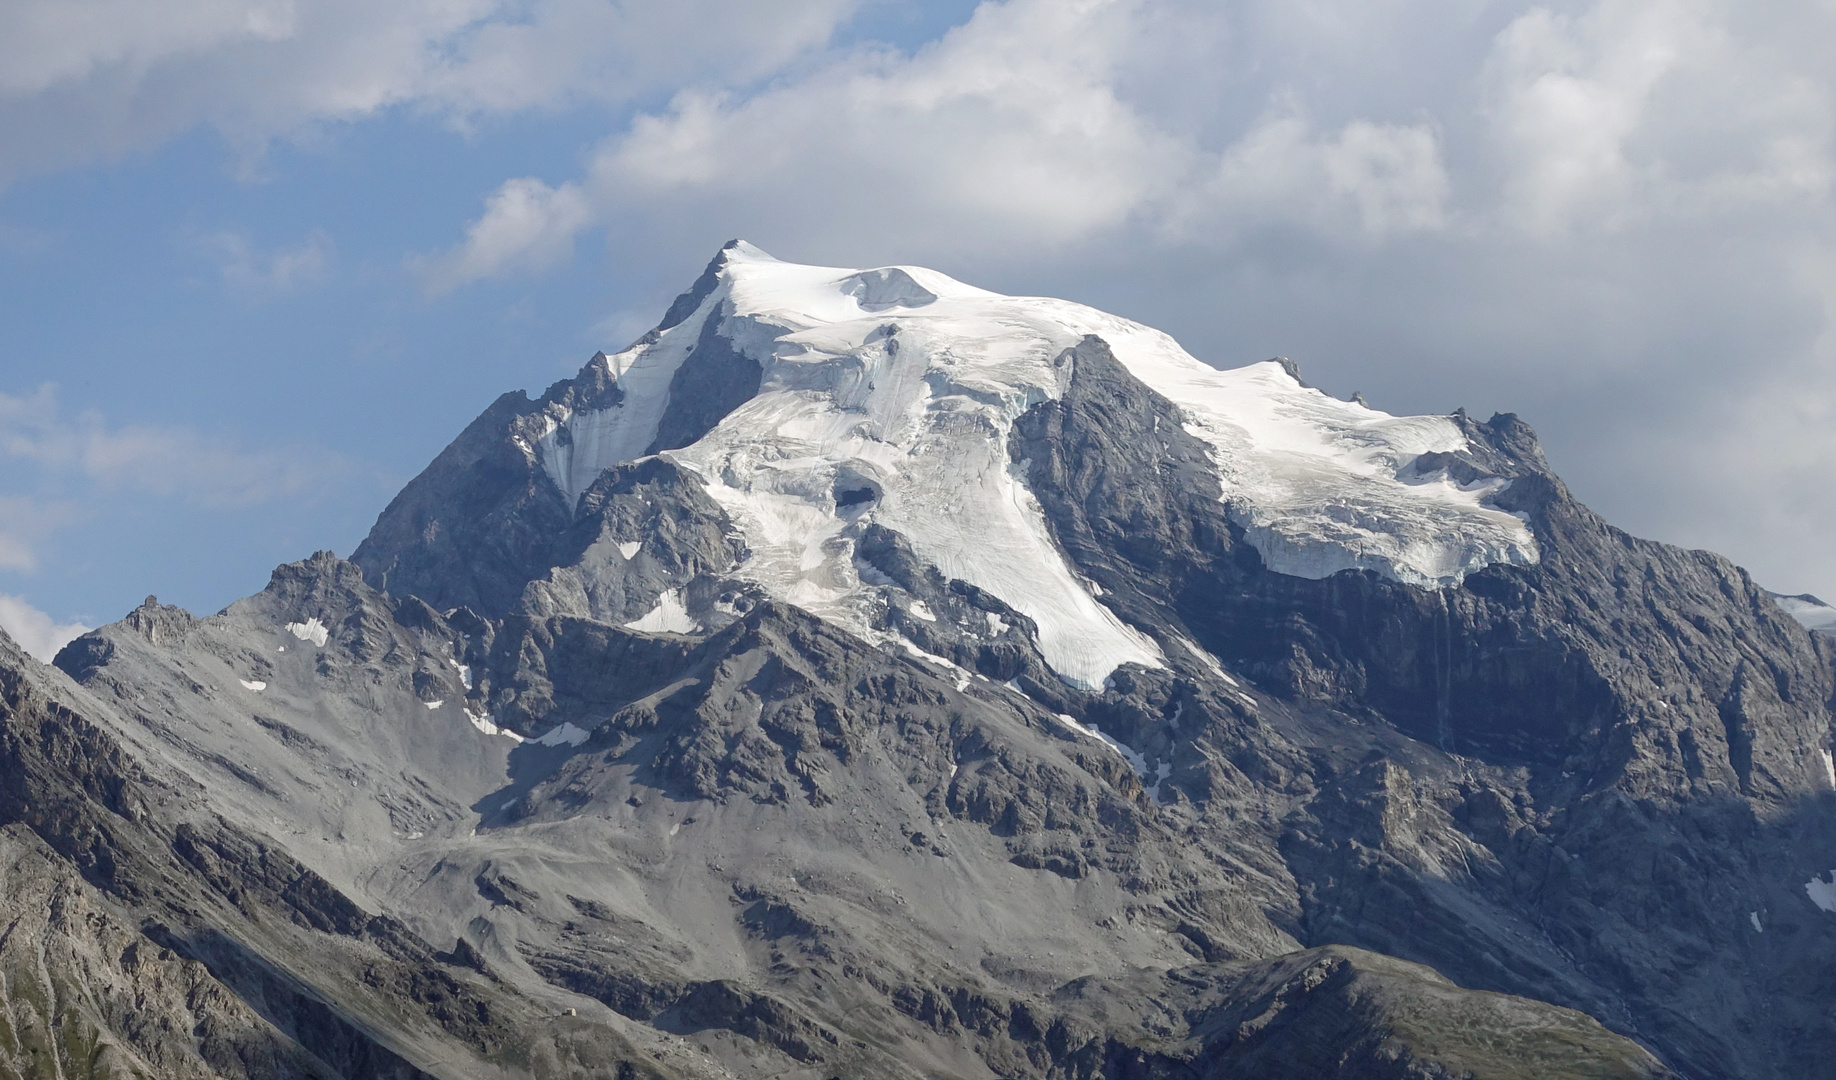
(889, 394)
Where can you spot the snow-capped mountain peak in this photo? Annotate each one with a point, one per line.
(889, 394)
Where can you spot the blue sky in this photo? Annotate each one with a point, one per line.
(261, 259)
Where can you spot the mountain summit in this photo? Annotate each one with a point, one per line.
(864, 674)
(813, 404)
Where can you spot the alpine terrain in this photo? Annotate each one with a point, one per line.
(867, 675)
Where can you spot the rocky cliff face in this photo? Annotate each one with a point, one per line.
(868, 675)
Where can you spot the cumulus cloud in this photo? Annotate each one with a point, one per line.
(527, 225)
(176, 462)
(1027, 128)
(34, 631)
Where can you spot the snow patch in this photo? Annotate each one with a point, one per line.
(486, 726)
(670, 616)
(465, 672)
(1829, 766)
(432, 705)
(629, 549)
(918, 401)
(564, 735)
(1322, 485)
(1150, 778)
(1754, 917)
(962, 677)
(578, 446)
(311, 630)
(922, 610)
(253, 684)
(1821, 892)
(1205, 658)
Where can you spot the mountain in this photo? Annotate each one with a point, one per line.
(864, 674)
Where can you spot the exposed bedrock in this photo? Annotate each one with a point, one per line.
(1637, 727)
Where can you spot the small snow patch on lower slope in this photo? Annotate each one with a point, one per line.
(1135, 761)
(487, 726)
(962, 677)
(311, 630)
(1821, 892)
(253, 684)
(564, 735)
(670, 616)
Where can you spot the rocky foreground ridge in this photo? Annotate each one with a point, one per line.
(864, 675)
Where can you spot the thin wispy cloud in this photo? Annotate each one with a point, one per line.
(174, 462)
(24, 524)
(253, 272)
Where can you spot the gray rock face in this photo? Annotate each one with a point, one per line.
(89, 995)
(1620, 702)
(714, 380)
(529, 752)
(148, 936)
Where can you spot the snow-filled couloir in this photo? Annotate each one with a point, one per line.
(889, 394)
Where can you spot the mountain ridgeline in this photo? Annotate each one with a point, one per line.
(867, 675)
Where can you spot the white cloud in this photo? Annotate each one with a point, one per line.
(527, 225)
(1014, 131)
(1633, 109)
(1368, 179)
(34, 631)
(56, 42)
(165, 461)
(89, 80)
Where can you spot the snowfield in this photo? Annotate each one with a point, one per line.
(898, 387)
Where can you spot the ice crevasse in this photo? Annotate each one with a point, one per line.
(890, 393)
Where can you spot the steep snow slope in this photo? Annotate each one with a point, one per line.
(888, 395)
